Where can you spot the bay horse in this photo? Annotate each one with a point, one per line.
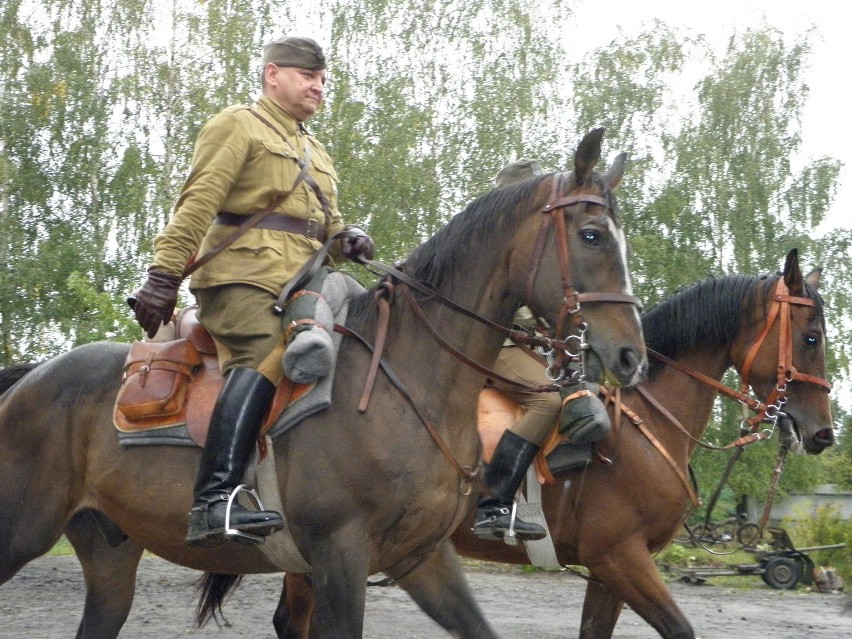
(629, 503)
(363, 492)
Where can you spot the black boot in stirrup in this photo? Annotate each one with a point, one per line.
(505, 472)
(584, 418)
(237, 417)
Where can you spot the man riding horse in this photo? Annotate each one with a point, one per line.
(584, 418)
(249, 160)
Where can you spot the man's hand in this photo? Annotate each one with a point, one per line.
(358, 246)
(155, 302)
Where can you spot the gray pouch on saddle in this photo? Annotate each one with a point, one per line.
(309, 351)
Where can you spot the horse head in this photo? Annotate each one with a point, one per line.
(783, 359)
(570, 266)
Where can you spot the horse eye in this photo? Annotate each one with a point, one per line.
(590, 236)
(811, 340)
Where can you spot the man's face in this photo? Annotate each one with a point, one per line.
(299, 91)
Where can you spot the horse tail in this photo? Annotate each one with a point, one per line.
(213, 591)
(13, 374)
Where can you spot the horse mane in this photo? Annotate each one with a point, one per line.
(13, 374)
(708, 313)
(485, 221)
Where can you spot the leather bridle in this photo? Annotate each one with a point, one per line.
(785, 371)
(552, 215)
(770, 410)
(570, 325)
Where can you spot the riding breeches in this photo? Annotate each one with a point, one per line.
(541, 410)
(247, 333)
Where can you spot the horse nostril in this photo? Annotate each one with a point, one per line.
(826, 437)
(630, 362)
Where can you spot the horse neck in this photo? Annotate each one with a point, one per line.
(689, 400)
(473, 339)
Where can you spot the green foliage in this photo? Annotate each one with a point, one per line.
(823, 527)
(102, 103)
(838, 460)
(680, 555)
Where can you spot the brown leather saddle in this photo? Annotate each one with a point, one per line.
(497, 413)
(176, 382)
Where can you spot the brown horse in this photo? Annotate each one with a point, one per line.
(612, 517)
(363, 492)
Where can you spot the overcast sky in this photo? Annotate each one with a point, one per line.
(827, 125)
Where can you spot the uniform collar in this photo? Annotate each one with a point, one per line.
(281, 116)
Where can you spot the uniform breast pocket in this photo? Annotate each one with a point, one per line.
(277, 166)
(325, 175)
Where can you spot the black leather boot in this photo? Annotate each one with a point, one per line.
(584, 418)
(237, 417)
(504, 474)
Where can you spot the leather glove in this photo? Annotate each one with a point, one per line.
(359, 246)
(155, 302)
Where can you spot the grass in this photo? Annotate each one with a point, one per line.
(62, 547)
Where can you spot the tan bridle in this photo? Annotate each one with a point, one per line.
(785, 372)
(770, 410)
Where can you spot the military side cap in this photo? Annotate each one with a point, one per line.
(293, 51)
(516, 171)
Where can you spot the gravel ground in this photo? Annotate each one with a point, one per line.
(44, 601)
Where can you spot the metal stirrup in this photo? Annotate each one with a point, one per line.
(510, 538)
(233, 533)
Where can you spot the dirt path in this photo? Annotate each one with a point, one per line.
(44, 601)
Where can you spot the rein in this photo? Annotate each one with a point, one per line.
(551, 215)
(468, 476)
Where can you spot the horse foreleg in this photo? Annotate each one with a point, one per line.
(339, 572)
(440, 588)
(292, 617)
(109, 572)
(629, 573)
(601, 610)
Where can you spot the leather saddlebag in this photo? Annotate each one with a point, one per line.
(156, 376)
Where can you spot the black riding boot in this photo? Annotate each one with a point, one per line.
(237, 417)
(504, 474)
(584, 418)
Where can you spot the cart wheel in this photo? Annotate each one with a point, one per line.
(700, 535)
(782, 573)
(748, 534)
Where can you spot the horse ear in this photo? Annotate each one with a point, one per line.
(588, 155)
(616, 171)
(813, 278)
(792, 273)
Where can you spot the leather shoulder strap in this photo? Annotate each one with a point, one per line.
(303, 165)
(195, 264)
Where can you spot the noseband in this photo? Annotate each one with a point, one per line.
(557, 351)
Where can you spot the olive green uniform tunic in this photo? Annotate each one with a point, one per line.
(239, 165)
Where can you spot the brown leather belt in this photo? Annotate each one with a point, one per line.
(278, 222)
